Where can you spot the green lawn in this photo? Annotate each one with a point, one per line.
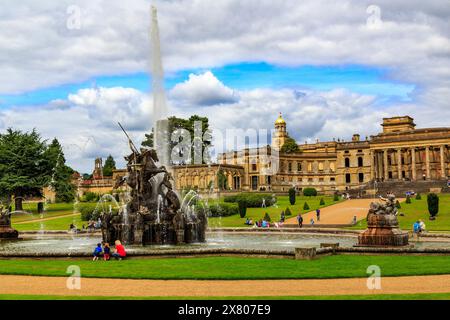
(51, 210)
(234, 268)
(418, 296)
(282, 203)
(418, 209)
(59, 224)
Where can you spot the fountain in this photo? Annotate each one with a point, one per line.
(383, 229)
(6, 231)
(154, 215)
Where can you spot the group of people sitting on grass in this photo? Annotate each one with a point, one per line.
(104, 250)
(263, 223)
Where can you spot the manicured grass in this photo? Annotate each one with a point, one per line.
(283, 202)
(51, 210)
(233, 268)
(58, 224)
(418, 209)
(418, 296)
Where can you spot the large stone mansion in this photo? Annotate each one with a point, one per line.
(399, 153)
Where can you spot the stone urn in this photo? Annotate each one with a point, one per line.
(383, 229)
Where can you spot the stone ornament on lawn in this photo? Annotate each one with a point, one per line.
(6, 231)
(383, 229)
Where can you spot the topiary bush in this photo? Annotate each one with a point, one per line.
(433, 205)
(322, 202)
(408, 200)
(306, 206)
(336, 197)
(310, 192)
(267, 217)
(397, 205)
(418, 197)
(253, 200)
(242, 205)
(288, 212)
(292, 195)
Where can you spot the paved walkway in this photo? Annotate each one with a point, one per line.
(47, 219)
(22, 285)
(341, 213)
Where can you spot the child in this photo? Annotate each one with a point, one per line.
(106, 252)
(97, 252)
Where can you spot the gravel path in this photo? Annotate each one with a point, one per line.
(181, 288)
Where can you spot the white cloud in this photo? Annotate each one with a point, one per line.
(203, 90)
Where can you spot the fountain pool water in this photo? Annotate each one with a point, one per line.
(83, 244)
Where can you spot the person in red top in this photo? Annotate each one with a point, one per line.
(119, 252)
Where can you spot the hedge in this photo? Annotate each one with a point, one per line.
(310, 192)
(252, 200)
(220, 210)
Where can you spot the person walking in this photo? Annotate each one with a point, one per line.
(318, 215)
(300, 220)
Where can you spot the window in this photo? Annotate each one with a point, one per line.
(254, 167)
(332, 179)
(299, 166)
(290, 167)
(390, 174)
(347, 162)
(348, 178)
(254, 183)
(361, 177)
(360, 162)
(310, 166)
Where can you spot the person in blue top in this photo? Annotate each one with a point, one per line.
(97, 252)
(416, 228)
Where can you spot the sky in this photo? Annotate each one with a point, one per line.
(73, 69)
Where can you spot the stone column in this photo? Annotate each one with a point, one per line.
(399, 164)
(372, 165)
(413, 164)
(385, 163)
(427, 155)
(443, 173)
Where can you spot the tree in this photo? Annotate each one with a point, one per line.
(61, 178)
(25, 165)
(288, 212)
(433, 205)
(186, 124)
(109, 166)
(292, 196)
(306, 206)
(290, 146)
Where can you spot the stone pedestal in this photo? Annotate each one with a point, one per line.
(383, 231)
(305, 253)
(6, 232)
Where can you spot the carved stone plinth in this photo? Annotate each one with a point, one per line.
(6, 232)
(383, 230)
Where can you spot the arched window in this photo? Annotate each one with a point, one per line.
(360, 162)
(347, 162)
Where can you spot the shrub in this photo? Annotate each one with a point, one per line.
(242, 205)
(267, 217)
(397, 205)
(408, 200)
(418, 197)
(252, 200)
(87, 212)
(288, 212)
(220, 210)
(292, 194)
(90, 197)
(433, 204)
(322, 202)
(306, 206)
(310, 192)
(336, 197)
